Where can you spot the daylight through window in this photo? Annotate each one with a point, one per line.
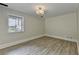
(16, 23)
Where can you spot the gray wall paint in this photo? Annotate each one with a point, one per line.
(33, 26)
(78, 23)
(62, 26)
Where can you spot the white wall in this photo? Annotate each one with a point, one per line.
(33, 26)
(78, 23)
(64, 26)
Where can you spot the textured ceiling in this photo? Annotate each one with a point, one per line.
(53, 9)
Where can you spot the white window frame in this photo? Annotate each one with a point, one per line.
(21, 21)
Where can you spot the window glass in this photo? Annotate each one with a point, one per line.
(16, 23)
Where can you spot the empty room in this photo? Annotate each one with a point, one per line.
(39, 28)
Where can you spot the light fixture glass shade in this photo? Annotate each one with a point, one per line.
(40, 12)
(40, 7)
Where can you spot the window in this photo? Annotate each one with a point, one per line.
(16, 23)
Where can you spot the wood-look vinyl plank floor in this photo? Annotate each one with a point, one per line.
(43, 46)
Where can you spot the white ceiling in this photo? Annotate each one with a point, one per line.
(53, 9)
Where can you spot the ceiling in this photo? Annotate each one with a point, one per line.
(53, 9)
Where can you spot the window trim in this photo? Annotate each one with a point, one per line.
(21, 26)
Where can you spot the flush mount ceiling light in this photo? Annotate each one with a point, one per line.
(40, 10)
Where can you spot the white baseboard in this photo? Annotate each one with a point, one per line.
(28, 39)
(18, 42)
(74, 40)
